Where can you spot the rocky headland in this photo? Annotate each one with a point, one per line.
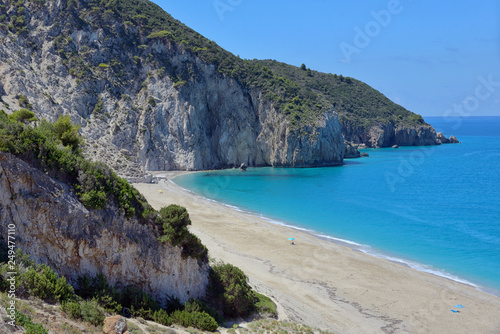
(55, 228)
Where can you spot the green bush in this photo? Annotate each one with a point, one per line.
(23, 102)
(160, 34)
(229, 290)
(41, 281)
(199, 320)
(264, 305)
(114, 300)
(67, 132)
(203, 321)
(72, 309)
(152, 101)
(161, 316)
(195, 305)
(23, 115)
(140, 303)
(28, 325)
(174, 220)
(181, 318)
(92, 313)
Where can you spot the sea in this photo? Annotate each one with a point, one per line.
(433, 208)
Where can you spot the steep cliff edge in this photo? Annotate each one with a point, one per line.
(388, 134)
(146, 101)
(55, 228)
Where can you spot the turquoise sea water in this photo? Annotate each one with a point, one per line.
(435, 208)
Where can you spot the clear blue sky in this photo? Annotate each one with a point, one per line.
(428, 56)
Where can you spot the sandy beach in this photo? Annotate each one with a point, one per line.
(327, 285)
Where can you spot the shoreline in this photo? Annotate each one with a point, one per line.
(328, 283)
(353, 245)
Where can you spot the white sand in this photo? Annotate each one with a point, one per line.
(327, 285)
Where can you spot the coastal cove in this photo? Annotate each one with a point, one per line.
(324, 284)
(431, 208)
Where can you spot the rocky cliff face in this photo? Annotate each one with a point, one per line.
(55, 228)
(387, 135)
(133, 115)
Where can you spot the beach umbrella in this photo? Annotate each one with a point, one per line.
(459, 306)
(291, 239)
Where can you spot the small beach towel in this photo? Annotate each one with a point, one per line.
(455, 311)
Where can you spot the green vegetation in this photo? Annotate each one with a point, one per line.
(229, 294)
(356, 102)
(229, 291)
(175, 220)
(55, 149)
(42, 282)
(301, 94)
(23, 115)
(89, 311)
(28, 325)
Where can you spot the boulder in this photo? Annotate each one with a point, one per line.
(351, 150)
(364, 154)
(115, 325)
(395, 146)
(441, 138)
(243, 167)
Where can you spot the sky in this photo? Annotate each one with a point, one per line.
(435, 58)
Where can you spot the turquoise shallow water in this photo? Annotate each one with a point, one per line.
(434, 208)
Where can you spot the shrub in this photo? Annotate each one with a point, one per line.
(195, 305)
(110, 298)
(265, 305)
(161, 316)
(203, 321)
(23, 101)
(139, 302)
(23, 115)
(175, 220)
(92, 313)
(174, 304)
(152, 101)
(72, 309)
(160, 34)
(67, 132)
(29, 326)
(200, 320)
(41, 281)
(230, 291)
(181, 318)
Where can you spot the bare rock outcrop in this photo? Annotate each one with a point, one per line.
(55, 228)
(351, 150)
(443, 140)
(387, 135)
(115, 325)
(134, 116)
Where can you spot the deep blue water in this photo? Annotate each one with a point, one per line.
(435, 207)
